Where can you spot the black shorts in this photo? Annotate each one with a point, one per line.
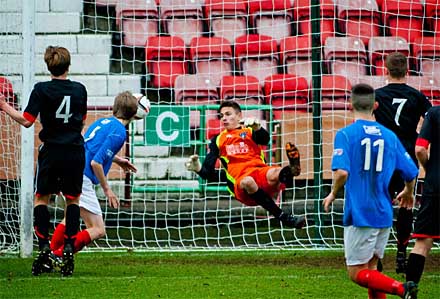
(396, 185)
(60, 169)
(427, 224)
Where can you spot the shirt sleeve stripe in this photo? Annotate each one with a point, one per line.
(422, 142)
(29, 117)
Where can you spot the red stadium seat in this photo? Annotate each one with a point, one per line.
(302, 15)
(335, 92)
(196, 90)
(345, 56)
(429, 86)
(432, 14)
(226, 18)
(374, 81)
(211, 56)
(286, 92)
(359, 18)
(166, 57)
(138, 20)
(245, 90)
(296, 56)
(380, 47)
(403, 18)
(6, 88)
(183, 18)
(213, 127)
(256, 55)
(271, 17)
(427, 53)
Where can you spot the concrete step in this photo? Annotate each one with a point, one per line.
(45, 22)
(43, 6)
(161, 168)
(75, 43)
(97, 85)
(80, 64)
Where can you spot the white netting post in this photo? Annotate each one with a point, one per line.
(27, 134)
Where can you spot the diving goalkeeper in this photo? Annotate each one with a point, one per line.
(249, 178)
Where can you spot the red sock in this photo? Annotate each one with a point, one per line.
(81, 239)
(377, 281)
(58, 237)
(372, 294)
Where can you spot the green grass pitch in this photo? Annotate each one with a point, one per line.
(231, 274)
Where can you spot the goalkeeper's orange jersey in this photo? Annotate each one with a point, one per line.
(239, 152)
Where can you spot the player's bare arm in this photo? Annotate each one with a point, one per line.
(98, 170)
(13, 113)
(124, 164)
(422, 155)
(406, 197)
(339, 181)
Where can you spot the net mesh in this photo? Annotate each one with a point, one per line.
(194, 53)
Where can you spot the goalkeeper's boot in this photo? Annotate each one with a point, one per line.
(410, 290)
(292, 221)
(68, 264)
(401, 262)
(42, 263)
(294, 159)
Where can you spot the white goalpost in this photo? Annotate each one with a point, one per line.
(289, 63)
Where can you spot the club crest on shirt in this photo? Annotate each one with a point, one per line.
(243, 134)
(338, 152)
(372, 130)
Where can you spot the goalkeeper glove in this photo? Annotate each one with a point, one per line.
(193, 163)
(252, 122)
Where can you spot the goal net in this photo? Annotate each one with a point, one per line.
(289, 63)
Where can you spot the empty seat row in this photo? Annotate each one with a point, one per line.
(285, 92)
(139, 19)
(258, 55)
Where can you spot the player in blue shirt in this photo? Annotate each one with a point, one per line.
(102, 141)
(365, 156)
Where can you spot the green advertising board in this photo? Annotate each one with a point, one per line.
(168, 125)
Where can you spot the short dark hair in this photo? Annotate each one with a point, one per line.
(362, 97)
(57, 60)
(231, 104)
(125, 105)
(397, 65)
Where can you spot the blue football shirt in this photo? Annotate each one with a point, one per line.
(102, 141)
(370, 153)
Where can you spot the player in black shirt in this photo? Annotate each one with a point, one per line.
(427, 225)
(61, 105)
(400, 109)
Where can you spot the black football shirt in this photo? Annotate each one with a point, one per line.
(431, 132)
(400, 109)
(62, 107)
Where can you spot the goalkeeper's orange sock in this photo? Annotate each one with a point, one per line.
(81, 239)
(58, 237)
(378, 282)
(372, 294)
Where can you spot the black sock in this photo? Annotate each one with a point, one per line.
(414, 270)
(266, 202)
(403, 228)
(41, 225)
(72, 223)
